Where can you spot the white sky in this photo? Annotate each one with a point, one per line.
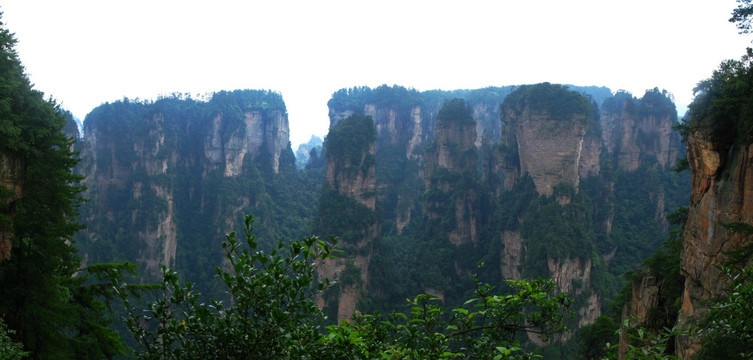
(84, 53)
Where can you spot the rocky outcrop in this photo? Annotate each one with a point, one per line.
(545, 144)
(153, 170)
(722, 193)
(256, 134)
(445, 177)
(487, 122)
(589, 163)
(453, 155)
(644, 298)
(355, 179)
(573, 276)
(638, 130)
(351, 174)
(511, 254)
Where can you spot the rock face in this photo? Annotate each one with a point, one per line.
(450, 191)
(351, 187)
(256, 135)
(156, 173)
(549, 147)
(354, 179)
(722, 189)
(454, 152)
(633, 128)
(644, 298)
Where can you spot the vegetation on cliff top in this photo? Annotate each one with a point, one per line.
(722, 106)
(557, 100)
(349, 141)
(455, 111)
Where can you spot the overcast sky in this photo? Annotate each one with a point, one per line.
(84, 53)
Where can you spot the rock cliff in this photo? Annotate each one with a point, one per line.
(157, 174)
(451, 157)
(448, 192)
(548, 142)
(722, 189)
(637, 131)
(350, 193)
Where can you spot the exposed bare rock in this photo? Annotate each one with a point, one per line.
(634, 130)
(417, 133)
(141, 159)
(454, 151)
(573, 276)
(549, 148)
(350, 294)
(355, 180)
(465, 219)
(487, 122)
(351, 171)
(645, 296)
(722, 193)
(251, 137)
(565, 272)
(511, 254)
(590, 155)
(162, 242)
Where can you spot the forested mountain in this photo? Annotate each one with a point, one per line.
(561, 187)
(538, 180)
(449, 199)
(166, 179)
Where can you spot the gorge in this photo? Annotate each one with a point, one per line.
(561, 182)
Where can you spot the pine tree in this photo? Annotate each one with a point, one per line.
(49, 309)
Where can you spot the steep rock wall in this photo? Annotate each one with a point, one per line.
(722, 193)
(644, 298)
(454, 153)
(549, 148)
(441, 201)
(351, 185)
(157, 174)
(638, 130)
(545, 142)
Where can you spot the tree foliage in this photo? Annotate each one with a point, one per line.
(52, 307)
(350, 139)
(721, 108)
(742, 16)
(560, 102)
(10, 349)
(272, 314)
(727, 330)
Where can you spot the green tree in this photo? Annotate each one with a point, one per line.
(485, 327)
(54, 314)
(742, 16)
(721, 108)
(9, 349)
(272, 314)
(727, 329)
